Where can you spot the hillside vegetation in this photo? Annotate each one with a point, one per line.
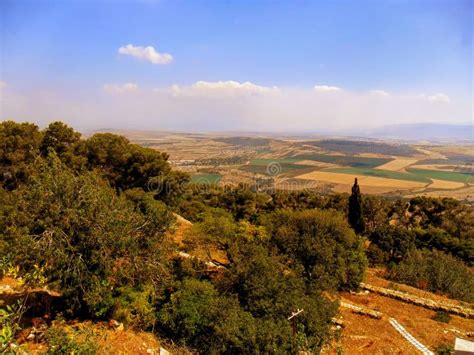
(93, 220)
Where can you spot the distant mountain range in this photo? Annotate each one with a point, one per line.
(433, 132)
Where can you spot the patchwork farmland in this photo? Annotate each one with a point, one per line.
(325, 165)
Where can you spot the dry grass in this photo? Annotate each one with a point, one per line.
(398, 164)
(111, 341)
(370, 190)
(445, 185)
(317, 164)
(444, 167)
(466, 193)
(364, 335)
(364, 181)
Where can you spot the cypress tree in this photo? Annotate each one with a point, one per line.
(355, 209)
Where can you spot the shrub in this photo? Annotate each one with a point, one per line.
(439, 272)
(323, 243)
(442, 316)
(393, 241)
(198, 317)
(445, 349)
(87, 241)
(135, 308)
(72, 341)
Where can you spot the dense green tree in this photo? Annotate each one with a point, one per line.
(87, 240)
(217, 229)
(375, 212)
(201, 318)
(123, 164)
(270, 291)
(169, 186)
(19, 146)
(355, 209)
(61, 139)
(66, 144)
(440, 239)
(323, 243)
(437, 272)
(394, 241)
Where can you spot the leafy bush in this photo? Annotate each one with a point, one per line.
(61, 341)
(323, 243)
(135, 308)
(437, 272)
(19, 146)
(392, 242)
(445, 349)
(200, 318)
(9, 324)
(442, 316)
(88, 241)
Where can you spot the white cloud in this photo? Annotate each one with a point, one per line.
(219, 88)
(443, 98)
(224, 105)
(379, 93)
(3, 84)
(146, 53)
(119, 89)
(326, 88)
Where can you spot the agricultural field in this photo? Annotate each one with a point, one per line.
(391, 168)
(346, 160)
(369, 184)
(397, 164)
(388, 174)
(273, 166)
(206, 179)
(467, 178)
(359, 147)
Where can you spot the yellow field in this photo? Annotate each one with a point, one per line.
(364, 181)
(442, 184)
(317, 164)
(370, 190)
(466, 193)
(398, 164)
(443, 167)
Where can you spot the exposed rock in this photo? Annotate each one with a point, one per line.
(420, 301)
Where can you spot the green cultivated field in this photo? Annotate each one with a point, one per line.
(355, 147)
(269, 161)
(206, 179)
(380, 173)
(352, 161)
(443, 175)
(280, 166)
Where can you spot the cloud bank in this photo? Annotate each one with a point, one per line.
(120, 88)
(146, 53)
(326, 88)
(231, 105)
(220, 88)
(439, 98)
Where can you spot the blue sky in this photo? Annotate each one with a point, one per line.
(68, 51)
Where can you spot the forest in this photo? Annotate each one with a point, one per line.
(92, 218)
